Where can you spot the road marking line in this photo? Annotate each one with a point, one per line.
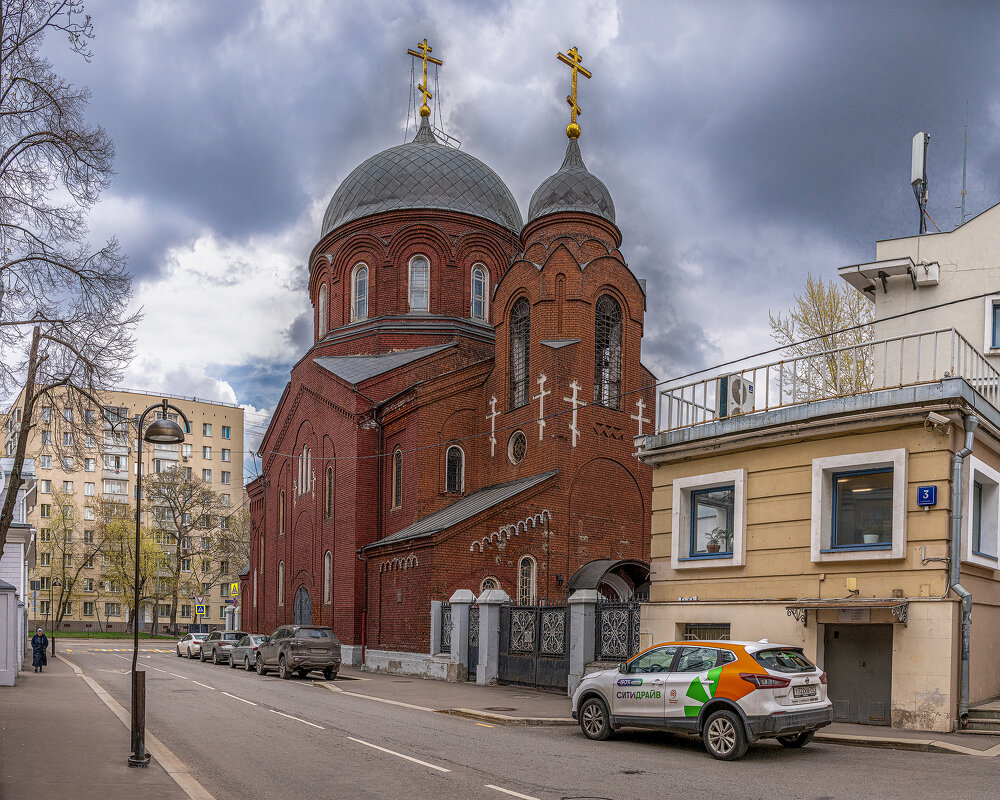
(399, 755)
(184, 677)
(282, 713)
(173, 766)
(204, 684)
(333, 688)
(484, 725)
(512, 794)
(160, 670)
(239, 698)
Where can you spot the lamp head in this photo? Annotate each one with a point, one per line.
(164, 431)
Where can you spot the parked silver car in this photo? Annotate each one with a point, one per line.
(219, 645)
(244, 653)
(300, 648)
(190, 645)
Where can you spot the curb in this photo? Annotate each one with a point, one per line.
(918, 745)
(504, 719)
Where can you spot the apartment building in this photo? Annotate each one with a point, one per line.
(85, 461)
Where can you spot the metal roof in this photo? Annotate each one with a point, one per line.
(589, 576)
(4, 585)
(464, 509)
(423, 174)
(357, 369)
(572, 188)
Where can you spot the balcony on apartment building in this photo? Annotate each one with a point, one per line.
(925, 368)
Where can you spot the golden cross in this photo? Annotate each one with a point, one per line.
(423, 55)
(573, 61)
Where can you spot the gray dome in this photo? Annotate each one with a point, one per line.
(572, 188)
(423, 174)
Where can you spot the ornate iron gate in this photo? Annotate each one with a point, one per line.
(534, 646)
(617, 631)
(445, 638)
(473, 641)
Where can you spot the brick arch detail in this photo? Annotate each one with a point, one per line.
(606, 512)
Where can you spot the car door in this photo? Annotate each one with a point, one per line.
(269, 650)
(638, 692)
(692, 681)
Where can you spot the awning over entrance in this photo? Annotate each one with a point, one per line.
(620, 577)
(899, 608)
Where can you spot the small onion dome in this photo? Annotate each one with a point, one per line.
(572, 188)
(427, 175)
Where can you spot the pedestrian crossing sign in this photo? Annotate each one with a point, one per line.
(234, 589)
(200, 610)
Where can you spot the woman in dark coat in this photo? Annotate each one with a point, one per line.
(39, 643)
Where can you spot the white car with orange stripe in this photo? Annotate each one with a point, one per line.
(729, 693)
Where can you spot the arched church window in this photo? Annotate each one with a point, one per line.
(397, 479)
(328, 577)
(329, 492)
(305, 470)
(281, 583)
(454, 469)
(489, 582)
(520, 336)
(480, 291)
(420, 281)
(323, 309)
(281, 513)
(359, 293)
(608, 354)
(526, 581)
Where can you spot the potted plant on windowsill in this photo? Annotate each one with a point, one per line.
(871, 533)
(718, 540)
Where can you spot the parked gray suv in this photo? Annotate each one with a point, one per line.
(219, 644)
(300, 648)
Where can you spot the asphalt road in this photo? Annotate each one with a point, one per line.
(242, 735)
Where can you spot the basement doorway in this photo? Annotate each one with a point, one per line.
(858, 661)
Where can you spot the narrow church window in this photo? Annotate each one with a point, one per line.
(329, 492)
(397, 479)
(480, 288)
(526, 581)
(454, 469)
(322, 311)
(608, 355)
(420, 271)
(520, 335)
(327, 577)
(281, 583)
(281, 512)
(359, 293)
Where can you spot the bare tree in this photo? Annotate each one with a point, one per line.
(837, 360)
(64, 319)
(117, 529)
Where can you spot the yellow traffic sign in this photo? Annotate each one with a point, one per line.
(200, 610)
(234, 589)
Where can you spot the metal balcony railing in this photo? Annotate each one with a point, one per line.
(891, 363)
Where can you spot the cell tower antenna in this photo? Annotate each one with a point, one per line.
(918, 175)
(965, 160)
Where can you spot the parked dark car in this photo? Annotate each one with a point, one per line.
(219, 645)
(300, 648)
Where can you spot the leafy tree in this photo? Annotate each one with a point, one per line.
(64, 318)
(836, 360)
(116, 526)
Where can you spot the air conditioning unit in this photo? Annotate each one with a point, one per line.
(735, 396)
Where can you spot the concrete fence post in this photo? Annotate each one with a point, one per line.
(582, 634)
(461, 602)
(490, 602)
(435, 627)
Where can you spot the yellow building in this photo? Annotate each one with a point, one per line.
(85, 458)
(789, 508)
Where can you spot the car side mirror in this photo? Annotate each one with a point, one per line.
(265, 639)
(623, 667)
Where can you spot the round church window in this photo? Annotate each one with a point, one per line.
(517, 447)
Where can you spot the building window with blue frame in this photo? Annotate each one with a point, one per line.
(862, 509)
(712, 522)
(995, 344)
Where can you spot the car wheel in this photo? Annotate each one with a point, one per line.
(330, 673)
(595, 722)
(201, 655)
(178, 651)
(246, 663)
(283, 671)
(232, 662)
(215, 657)
(798, 740)
(260, 666)
(724, 736)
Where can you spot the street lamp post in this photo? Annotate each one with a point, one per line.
(160, 431)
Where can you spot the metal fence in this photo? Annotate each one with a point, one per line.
(890, 363)
(617, 631)
(445, 642)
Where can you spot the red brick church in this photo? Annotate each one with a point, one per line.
(464, 418)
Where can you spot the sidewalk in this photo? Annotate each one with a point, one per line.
(513, 705)
(57, 739)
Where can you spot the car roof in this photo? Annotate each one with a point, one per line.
(749, 646)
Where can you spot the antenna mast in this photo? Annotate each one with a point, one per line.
(918, 175)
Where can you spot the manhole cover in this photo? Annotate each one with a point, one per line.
(499, 708)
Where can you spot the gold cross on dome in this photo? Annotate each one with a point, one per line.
(573, 61)
(424, 55)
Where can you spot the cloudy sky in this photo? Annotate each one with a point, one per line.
(745, 145)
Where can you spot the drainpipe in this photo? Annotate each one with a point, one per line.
(971, 422)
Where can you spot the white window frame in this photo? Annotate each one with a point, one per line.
(281, 583)
(479, 267)
(360, 314)
(527, 594)
(822, 504)
(461, 472)
(680, 540)
(409, 285)
(328, 578)
(988, 346)
(980, 472)
(323, 311)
